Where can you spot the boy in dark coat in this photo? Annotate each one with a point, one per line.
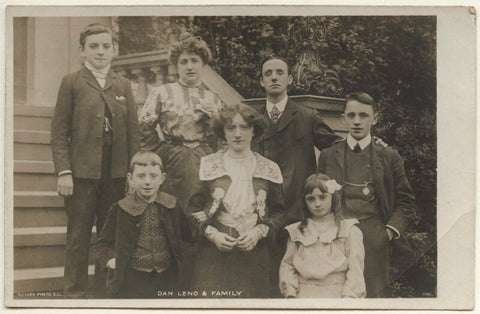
(94, 133)
(375, 189)
(140, 245)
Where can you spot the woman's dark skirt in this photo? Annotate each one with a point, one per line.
(234, 274)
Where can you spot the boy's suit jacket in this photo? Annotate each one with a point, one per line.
(290, 143)
(78, 121)
(120, 234)
(395, 196)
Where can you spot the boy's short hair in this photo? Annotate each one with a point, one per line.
(363, 98)
(145, 158)
(93, 29)
(191, 44)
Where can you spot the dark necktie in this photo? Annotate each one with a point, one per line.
(357, 149)
(275, 114)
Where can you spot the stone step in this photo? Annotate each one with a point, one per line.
(35, 118)
(24, 217)
(33, 111)
(29, 280)
(31, 123)
(29, 136)
(37, 199)
(32, 175)
(40, 247)
(32, 151)
(33, 166)
(34, 181)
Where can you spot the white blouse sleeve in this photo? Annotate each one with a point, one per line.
(355, 284)
(148, 112)
(288, 276)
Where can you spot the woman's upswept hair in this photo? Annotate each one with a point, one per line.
(192, 44)
(317, 180)
(228, 112)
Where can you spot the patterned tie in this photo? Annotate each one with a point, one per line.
(356, 148)
(275, 114)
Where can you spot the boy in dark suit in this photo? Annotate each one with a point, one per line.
(94, 133)
(375, 189)
(140, 245)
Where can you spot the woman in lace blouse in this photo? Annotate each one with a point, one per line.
(239, 206)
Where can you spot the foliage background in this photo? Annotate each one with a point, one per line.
(393, 58)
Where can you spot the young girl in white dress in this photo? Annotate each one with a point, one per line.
(325, 254)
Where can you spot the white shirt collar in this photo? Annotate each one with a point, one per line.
(280, 105)
(92, 69)
(363, 142)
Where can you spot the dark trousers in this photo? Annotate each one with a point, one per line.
(377, 257)
(90, 199)
(139, 284)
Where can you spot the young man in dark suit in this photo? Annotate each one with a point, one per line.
(94, 134)
(375, 189)
(292, 133)
(289, 140)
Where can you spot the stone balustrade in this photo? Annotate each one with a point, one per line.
(145, 70)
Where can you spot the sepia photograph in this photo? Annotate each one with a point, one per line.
(238, 157)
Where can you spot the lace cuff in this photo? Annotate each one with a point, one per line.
(262, 230)
(210, 232)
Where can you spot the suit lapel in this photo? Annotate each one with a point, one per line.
(91, 80)
(111, 76)
(340, 159)
(287, 116)
(339, 154)
(271, 128)
(377, 169)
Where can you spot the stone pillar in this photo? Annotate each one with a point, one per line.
(52, 52)
(48, 58)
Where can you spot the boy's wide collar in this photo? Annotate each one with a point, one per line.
(135, 205)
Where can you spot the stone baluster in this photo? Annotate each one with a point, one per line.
(123, 73)
(158, 75)
(140, 93)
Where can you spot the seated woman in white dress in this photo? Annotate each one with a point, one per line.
(239, 207)
(325, 253)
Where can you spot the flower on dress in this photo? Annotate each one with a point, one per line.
(209, 108)
(148, 117)
(332, 186)
(261, 197)
(217, 195)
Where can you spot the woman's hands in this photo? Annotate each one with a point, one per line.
(199, 216)
(111, 263)
(223, 241)
(249, 240)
